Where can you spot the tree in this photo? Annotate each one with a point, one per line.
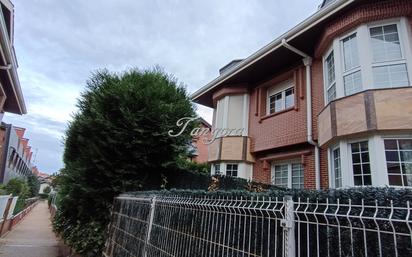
(117, 142)
(17, 187)
(34, 185)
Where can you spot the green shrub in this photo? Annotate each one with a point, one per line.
(33, 184)
(117, 142)
(17, 187)
(331, 237)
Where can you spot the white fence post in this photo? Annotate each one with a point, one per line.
(288, 224)
(149, 228)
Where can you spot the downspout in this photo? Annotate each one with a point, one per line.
(307, 61)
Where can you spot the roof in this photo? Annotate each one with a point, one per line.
(274, 56)
(8, 74)
(205, 123)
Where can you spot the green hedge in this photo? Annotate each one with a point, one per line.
(370, 196)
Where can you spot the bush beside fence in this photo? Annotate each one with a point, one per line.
(353, 222)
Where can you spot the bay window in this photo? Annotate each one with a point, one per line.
(380, 160)
(372, 56)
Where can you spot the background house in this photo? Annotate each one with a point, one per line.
(327, 104)
(15, 153)
(199, 149)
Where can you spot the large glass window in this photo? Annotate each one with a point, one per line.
(337, 172)
(389, 67)
(352, 78)
(385, 43)
(378, 61)
(288, 175)
(361, 164)
(231, 170)
(390, 76)
(398, 154)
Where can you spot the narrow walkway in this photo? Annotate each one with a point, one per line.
(33, 237)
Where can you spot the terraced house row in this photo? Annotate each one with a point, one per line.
(328, 104)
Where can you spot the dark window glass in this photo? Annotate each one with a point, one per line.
(360, 164)
(399, 161)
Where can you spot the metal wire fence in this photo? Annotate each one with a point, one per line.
(206, 226)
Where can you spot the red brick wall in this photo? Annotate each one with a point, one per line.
(365, 13)
(202, 148)
(282, 129)
(289, 128)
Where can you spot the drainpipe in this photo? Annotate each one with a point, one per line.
(307, 61)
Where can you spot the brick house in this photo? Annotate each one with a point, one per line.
(199, 150)
(15, 153)
(326, 105)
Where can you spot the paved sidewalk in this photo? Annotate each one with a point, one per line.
(33, 237)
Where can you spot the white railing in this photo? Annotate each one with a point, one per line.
(205, 226)
(12, 206)
(3, 205)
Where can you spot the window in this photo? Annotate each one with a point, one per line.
(217, 169)
(281, 97)
(231, 170)
(398, 154)
(360, 164)
(375, 61)
(330, 77)
(389, 68)
(297, 176)
(336, 164)
(352, 79)
(385, 43)
(288, 175)
(281, 175)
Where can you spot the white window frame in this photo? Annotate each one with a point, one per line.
(281, 87)
(377, 158)
(366, 61)
(214, 169)
(332, 166)
(325, 74)
(349, 149)
(382, 156)
(237, 169)
(289, 163)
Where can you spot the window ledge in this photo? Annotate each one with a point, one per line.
(276, 113)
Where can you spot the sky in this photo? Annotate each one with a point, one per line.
(59, 44)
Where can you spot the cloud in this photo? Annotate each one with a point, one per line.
(59, 43)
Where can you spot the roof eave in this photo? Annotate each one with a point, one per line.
(317, 17)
